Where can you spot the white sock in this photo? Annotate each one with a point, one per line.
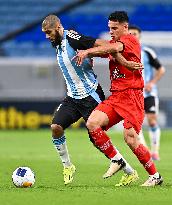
(127, 168)
(156, 175)
(61, 147)
(142, 139)
(117, 157)
(154, 135)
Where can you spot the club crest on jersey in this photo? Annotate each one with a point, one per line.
(74, 35)
(116, 74)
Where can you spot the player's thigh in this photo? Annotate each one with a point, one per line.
(106, 115)
(86, 105)
(98, 118)
(66, 114)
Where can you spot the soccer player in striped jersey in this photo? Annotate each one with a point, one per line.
(152, 73)
(83, 91)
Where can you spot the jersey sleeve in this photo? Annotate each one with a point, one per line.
(131, 45)
(153, 60)
(79, 41)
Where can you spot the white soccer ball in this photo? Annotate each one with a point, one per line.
(23, 177)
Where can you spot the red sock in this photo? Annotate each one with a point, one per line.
(103, 142)
(144, 157)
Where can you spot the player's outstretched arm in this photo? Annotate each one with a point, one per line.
(131, 65)
(103, 47)
(107, 48)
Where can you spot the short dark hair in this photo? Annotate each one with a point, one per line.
(50, 21)
(135, 28)
(120, 16)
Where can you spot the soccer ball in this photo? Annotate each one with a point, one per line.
(23, 177)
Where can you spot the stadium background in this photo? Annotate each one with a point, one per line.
(31, 85)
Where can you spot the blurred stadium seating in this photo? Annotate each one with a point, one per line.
(90, 19)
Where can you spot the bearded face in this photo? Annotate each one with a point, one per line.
(57, 39)
(55, 35)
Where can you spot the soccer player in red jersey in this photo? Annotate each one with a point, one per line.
(126, 101)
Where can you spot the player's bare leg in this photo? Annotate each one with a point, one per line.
(154, 135)
(142, 138)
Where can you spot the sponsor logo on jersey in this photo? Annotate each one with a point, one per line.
(116, 74)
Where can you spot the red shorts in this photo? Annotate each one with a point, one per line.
(127, 105)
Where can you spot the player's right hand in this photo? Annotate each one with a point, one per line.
(80, 56)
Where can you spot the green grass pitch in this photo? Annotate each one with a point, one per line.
(35, 150)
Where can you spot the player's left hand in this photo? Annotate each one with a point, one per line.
(137, 66)
(134, 65)
(81, 55)
(148, 87)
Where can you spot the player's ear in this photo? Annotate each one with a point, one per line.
(126, 26)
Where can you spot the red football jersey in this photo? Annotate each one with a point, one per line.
(121, 77)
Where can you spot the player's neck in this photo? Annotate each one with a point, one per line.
(126, 32)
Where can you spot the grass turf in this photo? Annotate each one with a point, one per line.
(34, 149)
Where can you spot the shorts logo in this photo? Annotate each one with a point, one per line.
(116, 74)
(152, 108)
(58, 107)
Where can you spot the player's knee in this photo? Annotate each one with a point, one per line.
(131, 140)
(57, 130)
(91, 124)
(153, 123)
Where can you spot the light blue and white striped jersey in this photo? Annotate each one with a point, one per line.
(150, 62)
(80, 80)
